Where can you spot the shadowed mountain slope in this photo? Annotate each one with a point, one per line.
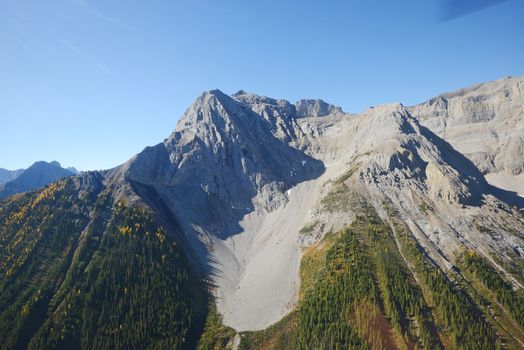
(36, 176)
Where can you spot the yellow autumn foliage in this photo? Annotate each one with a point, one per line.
(125, 230)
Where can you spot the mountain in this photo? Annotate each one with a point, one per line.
(36, 176)
(265, 224)
(9, 175)
(72, 253)
(485, 122)
(73, 170)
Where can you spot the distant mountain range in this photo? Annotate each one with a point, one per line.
(36, 176)
(9, 175)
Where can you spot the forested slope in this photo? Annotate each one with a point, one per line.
(371, 286)
(80, 270)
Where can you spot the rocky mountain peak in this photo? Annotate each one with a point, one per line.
(221, 152)
(265, 106)
(279, 113)
(212, 107)
(38, 175)
(400, 154)
(316, 108)
(384, 123)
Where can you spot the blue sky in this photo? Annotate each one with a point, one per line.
(91, 83)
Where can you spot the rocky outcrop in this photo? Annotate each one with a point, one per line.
(316, 108)
(484, 122)
(438, 192)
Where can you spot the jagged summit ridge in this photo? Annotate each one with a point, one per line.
(316, 108)
(300, 109)
(219, 158)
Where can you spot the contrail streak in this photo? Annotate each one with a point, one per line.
(111, 20)
(86, 57)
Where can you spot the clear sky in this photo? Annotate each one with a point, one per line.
(92, 82)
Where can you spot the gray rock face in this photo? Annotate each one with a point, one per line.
(408, 152)
(221, 155)
(36, 176)
(316, 108)
(413, 168)
(484, 122)
(280, 114)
